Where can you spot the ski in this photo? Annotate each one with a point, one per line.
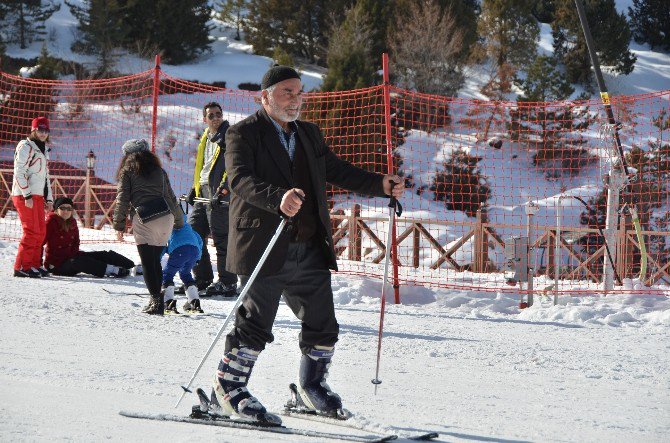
(292, 409)
(427, 436)
(255, 426)
(138, 294)
(184, 313)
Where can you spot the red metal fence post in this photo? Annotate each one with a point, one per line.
(154, 113)
(389, 162)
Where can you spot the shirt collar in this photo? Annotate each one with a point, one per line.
(279, 128)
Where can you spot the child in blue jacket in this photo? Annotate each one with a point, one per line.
(184, 249)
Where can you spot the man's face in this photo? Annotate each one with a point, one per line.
(284, 102)
(213, 119)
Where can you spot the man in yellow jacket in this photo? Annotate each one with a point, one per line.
(211, 217)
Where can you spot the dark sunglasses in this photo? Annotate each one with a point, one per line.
(213, 115)
(66, 208)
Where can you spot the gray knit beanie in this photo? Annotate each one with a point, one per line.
(135, 145)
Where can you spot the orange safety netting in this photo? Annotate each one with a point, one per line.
(472, 168)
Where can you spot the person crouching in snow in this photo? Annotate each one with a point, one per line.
(62, 254)
(184, 249)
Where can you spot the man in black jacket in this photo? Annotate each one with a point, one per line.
(211, 217)
(278, 166)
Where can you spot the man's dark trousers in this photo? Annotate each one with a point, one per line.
(206, 219)
(304, 281)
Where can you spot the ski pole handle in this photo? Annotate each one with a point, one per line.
(393, 202)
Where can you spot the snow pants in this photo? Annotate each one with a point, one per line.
(34, 227)
(182, 260)
(92, 262)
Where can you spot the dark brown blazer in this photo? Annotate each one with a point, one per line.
(259, 174)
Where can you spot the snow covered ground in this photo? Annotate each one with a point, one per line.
(469, 366)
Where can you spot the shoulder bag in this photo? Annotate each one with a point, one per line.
(154, 208)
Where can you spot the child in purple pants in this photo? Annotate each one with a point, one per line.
(184, 249)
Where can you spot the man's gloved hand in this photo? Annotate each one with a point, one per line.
(218, 196)
(190, 199)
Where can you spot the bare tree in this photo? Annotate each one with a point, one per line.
(426, 47)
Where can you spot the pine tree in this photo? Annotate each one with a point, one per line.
(545, 10)
(350, 63)
(25, 100)
(650, 22)
(25, 19)
(509, 31)
(231, 11)
(460, 184)
(465, 13)
(178, 30)
(426, 50)
(281, 57)
(102, 31)
(378, 15)
(611, 37)
(553, 130)
(48, 67)
(544, 82)
(301, 30)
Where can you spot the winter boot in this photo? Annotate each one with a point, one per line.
(171, 307)
(29, 273)
(193, 303)
(313, 393)
(193, 307)
(230, 384)
(155, 306)
(222, 289)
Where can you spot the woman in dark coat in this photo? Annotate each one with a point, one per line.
(62, 254)
(142, 183)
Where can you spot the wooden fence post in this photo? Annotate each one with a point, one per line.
(480, 244)
(551, 252)
(416, 243)
(355, 243)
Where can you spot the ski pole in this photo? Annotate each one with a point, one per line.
(393, 206)
(184, 197)
(255, 272)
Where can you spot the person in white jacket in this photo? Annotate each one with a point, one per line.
(31, 195)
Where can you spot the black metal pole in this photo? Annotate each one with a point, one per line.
(604, 95)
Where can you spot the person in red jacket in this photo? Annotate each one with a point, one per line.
(62, 254)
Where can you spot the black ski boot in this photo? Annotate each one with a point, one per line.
(230, 392)
(313, 393)
(155, 306)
